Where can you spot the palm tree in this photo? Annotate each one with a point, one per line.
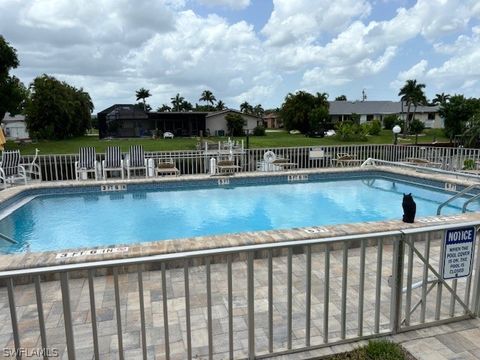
(164, 108)
(412, 94)
(208, 97)
(258, 110)
(220, 105)
(177, 102)
(441, 99)
(143, 94)
(246, 108)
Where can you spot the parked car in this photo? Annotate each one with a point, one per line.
(167, 135)
(316, 133)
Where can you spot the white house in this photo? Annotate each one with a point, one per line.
(15, 127)
(377, 110)
(216, 123)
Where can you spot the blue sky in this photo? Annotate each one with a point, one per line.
(247, 50)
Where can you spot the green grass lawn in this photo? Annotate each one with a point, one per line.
(272, 139)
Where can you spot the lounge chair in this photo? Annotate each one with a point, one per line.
(166, 168)
(113, 161)
(136, 160)
(87, 163)
(345, 159)
(10, 168)
(284, 164)
(226, 167)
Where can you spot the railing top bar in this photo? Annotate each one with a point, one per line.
(220, 251)
(440, 227)
(427, 169)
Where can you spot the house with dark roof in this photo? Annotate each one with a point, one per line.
(377, 110)
(126, 120)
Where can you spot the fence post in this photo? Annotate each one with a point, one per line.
(397, 283)
(476, 282)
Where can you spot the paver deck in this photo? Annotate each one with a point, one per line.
(454, 339)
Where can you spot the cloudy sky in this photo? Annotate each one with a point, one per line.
(246, 50)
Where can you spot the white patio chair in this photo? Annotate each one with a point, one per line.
(136, 160)
(87, 163)
(10, 168)
(113, 161)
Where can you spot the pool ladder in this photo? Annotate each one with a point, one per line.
(459, 194)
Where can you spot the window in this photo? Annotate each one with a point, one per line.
(369, 117)
(431, 116)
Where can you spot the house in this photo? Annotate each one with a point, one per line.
(272, 120)
(217, 125)
(126, 120)
(377, 110)
(15, 127)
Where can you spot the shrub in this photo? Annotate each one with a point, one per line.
(390, 121)
(416, 126)
(235, 123)
(375, 127)
(347, 131)
(259, 130)
(469, 164)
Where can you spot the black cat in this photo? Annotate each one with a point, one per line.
(409, 208)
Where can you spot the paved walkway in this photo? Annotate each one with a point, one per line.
(453, 341)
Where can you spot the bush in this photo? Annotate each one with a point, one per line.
(390, 121)
(375, 128)
(348, 131)
(235, 123)
(416, 126)
(259, 130)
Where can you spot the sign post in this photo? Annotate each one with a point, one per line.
(458, 249)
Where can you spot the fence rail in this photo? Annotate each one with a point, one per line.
(62, 167)
(241, 302)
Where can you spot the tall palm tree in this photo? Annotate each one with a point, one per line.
(245, 107)
(411, 94)
(441, 99)
(143, 93)
(258, 110)
(208, 97)
(177, 102)
(220, 105)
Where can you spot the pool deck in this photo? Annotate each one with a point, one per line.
(30, 260)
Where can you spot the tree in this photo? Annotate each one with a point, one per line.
(143, 94)
(56, 110)
(208, 97)
(456, 113)
(416, 127)
(164, 108)
(12, 92)
(440, 99)
(304, 111)
(235, 124)
(177, 102)
(471, 135)
(186, 106)
(258, 110)
(411, 94)
(341, 98)
(220, 105)
(246, 108)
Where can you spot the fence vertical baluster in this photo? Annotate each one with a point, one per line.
(93, 314)
(142, 312)
(165, 310)
(326, 293)
(230, 305)
(408, 297)
(308, 293)
(118, 311)
(270, 302)
(289, 298)
(13, 316)
(41, 318)
(425, 278)
(378, 285)
(361, 286)
(343, 311)
(251, 306)
(67, 315)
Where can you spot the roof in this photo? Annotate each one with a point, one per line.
(15, 118)
(215, 113)
(374, 107)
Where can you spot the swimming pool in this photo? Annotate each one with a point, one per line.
(94, 218)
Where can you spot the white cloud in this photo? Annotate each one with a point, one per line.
(417, 72)
(232, 4)
(305, 20)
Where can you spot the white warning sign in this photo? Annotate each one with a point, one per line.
(458, 252)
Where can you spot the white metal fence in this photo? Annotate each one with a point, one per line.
(240, 302)
(62, 167)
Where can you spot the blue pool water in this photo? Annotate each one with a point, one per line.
(54, 222)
